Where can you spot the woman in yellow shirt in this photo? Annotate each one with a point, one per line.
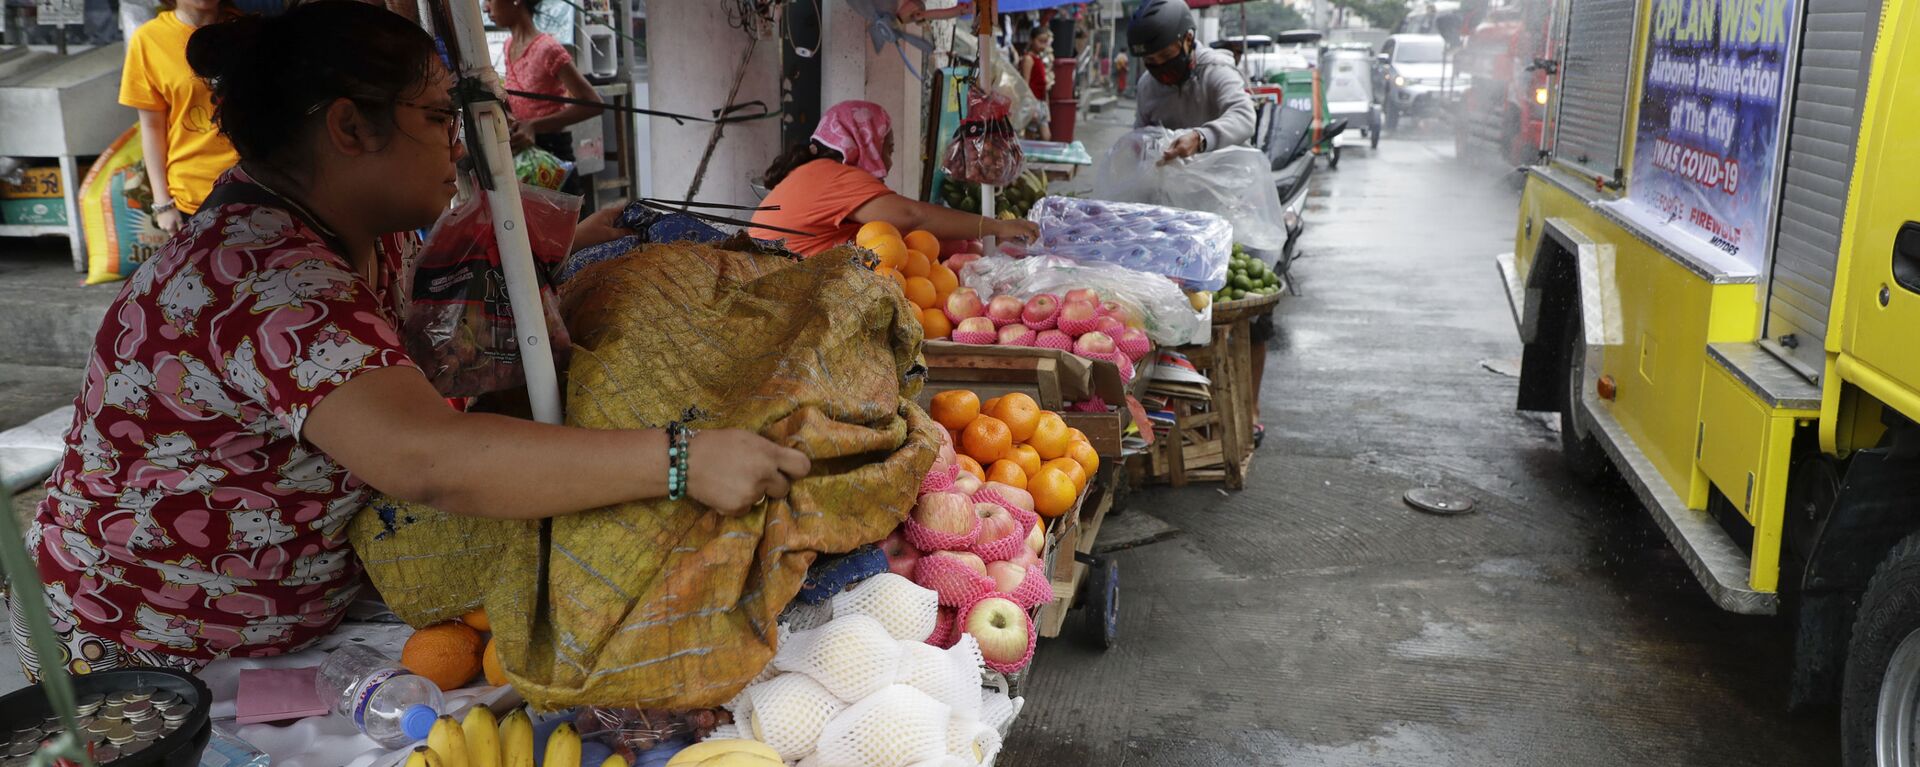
(184, 149)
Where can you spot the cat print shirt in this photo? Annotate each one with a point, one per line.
(187, 516)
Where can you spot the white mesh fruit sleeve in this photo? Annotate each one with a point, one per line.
(851, 656)
(788, 713)
(895, 727)
(906, 610)
(951, 676)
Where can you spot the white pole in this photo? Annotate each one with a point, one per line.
(509, 218)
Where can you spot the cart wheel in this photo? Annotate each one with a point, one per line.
(1102, 603)
(1373, 134)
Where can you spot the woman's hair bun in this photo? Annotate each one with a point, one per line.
(218, 50)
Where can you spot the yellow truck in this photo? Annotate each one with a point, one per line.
(1716, 279)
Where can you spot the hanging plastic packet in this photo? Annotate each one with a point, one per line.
(985, 148)
(460, 329)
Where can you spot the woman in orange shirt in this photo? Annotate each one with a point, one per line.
(183, 148)
(831, 185)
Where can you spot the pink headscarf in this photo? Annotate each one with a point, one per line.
(858, 131)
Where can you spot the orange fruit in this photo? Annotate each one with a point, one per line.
(490, 666)
(1069, 467)
(986, 439)
(1050, 436)
(478, 620)
(955, 409)
(1084, 454)
(944, 280)
(970, 466)
(1007, 472)
(892, 253)
(987, 407)
(918, 264)
(924, 242)
(1076, 435)
(874, 231)
(1053, 492)
(1028, 460)
(1020, 413)
(448, 654)
(934, 323)
(920, 291)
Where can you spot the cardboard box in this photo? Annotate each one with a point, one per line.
(37, 184)
(35, 212)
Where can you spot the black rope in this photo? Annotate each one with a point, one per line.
(684, 207)
(719, 115)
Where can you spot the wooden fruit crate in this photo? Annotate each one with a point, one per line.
(1212, 440)
(1077, 530)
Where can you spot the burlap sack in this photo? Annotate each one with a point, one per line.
(667, 604)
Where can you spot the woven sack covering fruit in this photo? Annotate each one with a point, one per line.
(665, 604)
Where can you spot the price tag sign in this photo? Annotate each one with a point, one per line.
(59, 12)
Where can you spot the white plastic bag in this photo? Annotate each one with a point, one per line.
(1235, 182)
(1170, 318)
(1190, 246)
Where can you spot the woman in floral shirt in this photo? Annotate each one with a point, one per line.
(248, 388)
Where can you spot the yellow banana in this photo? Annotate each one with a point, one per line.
(483, 737)
(563, 747)
(516, 740)
(423, 756)
(709, 749)
(449, 741)
(614, 760)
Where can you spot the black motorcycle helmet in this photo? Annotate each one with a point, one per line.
(1157, 24)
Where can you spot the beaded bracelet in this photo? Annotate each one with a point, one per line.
(679, 439)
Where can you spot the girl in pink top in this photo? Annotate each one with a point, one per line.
(537, 64)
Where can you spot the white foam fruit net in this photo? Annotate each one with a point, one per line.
(898, 726)
(972, 740)
(998, 711)
(788, 713)
(906, 610)
(852, 656)
(951, 676)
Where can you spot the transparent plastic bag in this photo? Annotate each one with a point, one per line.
(1190, 246)
(1235, 182)
(1170, 318)
(630, 732)
(985, 148)
(459, 328)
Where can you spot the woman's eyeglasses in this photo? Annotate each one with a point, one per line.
(452, 115)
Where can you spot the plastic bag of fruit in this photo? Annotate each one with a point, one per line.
(1189, 246)
(985, 148)
(1235, 182)
(1169, 317)
(460, 327)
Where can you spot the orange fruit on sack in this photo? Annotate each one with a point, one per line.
(986, 440)
(1007, 472)
(970, 466)
(954, 409)
(944, 280)
(934, 323)
(1050, 436)
(892, 253)
(1020, 413)
(1069, 467)
(448, 654)
(1083, 453)
(1053, 492)
(490, 666)
(899, 280)
(924, 242)
(478, 620)
(918, 264)
(920, 291)
(1028, 460)
(987, 407)
(873, 231)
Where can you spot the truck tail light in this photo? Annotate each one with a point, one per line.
(1540, 96)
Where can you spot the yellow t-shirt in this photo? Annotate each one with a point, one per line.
(158, 79)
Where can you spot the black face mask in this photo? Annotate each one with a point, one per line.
(1173, 71)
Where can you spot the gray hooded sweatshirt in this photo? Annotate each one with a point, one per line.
(1213, 101)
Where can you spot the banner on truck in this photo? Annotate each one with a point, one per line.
(1706, 154)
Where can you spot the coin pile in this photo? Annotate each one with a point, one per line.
(115, 725)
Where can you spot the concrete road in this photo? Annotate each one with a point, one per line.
(1313, 619)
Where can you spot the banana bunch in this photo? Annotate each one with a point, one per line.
(481, 741)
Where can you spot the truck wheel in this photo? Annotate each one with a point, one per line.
(1580, 450)
(1393, 113)
(1881, 692)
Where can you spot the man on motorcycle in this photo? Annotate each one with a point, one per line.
(1196, 92)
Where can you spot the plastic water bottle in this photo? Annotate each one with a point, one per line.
(390, 705)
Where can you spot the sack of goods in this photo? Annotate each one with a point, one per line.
(665, 604)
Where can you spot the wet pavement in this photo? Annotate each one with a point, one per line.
(1314, 619)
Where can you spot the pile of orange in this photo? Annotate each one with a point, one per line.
(450, 654)
(1012, 441)
(913, 261)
